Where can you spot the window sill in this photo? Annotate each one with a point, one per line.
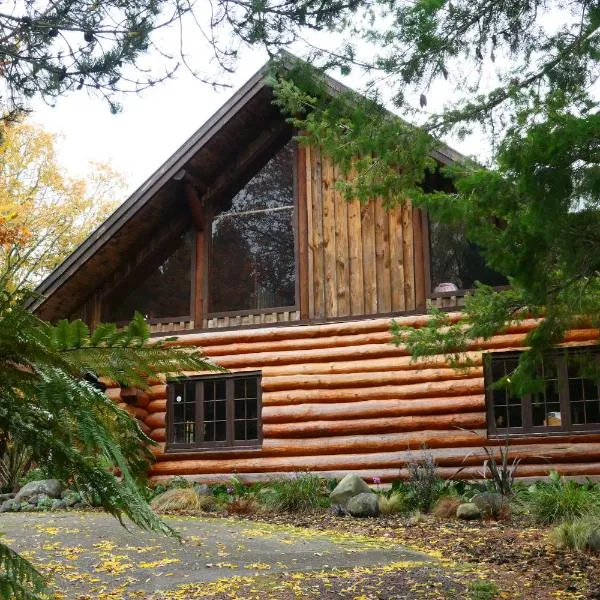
(205, 449)
(542, 434)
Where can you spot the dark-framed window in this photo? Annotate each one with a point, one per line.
(568, 399)
(454, 263)
(160, 288)
(252, 244)
(215, 411)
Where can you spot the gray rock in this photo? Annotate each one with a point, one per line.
(593, 542)
(10, 506)
(5, 497)
(50, 487)
(490, 503)
(351, 485)
(363, 505)
(468, 511)
(58, 504)
(44, 501)
(202, 489)
(72, 499)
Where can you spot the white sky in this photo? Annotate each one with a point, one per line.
(154, 123)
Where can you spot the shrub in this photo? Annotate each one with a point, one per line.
(304, 492)
(424, 483)
(483, 590)
(446, 506)
(580, 534)
(392, 504)
(242, 505)
(562, 500)
(182, 500)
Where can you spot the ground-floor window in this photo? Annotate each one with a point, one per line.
(568, 399)
(215, 411)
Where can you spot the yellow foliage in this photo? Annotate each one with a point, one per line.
(44, 212)
(182, 500)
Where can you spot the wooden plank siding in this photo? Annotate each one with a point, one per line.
(340, 398)
(361, 256)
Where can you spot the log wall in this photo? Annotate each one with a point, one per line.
(340, 398)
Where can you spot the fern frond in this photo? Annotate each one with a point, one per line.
(18, 577)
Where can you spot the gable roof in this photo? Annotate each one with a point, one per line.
(242, 120)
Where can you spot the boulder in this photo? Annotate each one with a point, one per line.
(363, 505)
(51, 487)
(351, 485)
(58, 504)
(490, 503)
(10, 506)
(202, 489)
(468, 511)
(44, 501)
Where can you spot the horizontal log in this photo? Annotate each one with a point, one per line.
(539, 455)
(142, 399)
(323, 330)
(371, 443)
(144, 427)
(437, 389)
(367, 366)
(158, 391)
(376, 337)
(474, 420)
(354, 380)
(158, 435)
(157, 405)
(156, 420)
(267, 358)
(114, 394)
(527, 473)
(294, 413)
(139, 413)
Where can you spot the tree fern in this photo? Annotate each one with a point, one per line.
(50, 405)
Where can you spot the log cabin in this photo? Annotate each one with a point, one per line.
(241, 244)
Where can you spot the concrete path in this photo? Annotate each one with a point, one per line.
(91, 556)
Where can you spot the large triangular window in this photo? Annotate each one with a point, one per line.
(253, 261)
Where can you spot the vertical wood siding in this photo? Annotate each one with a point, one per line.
(361, 257)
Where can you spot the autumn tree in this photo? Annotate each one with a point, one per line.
(50, 212)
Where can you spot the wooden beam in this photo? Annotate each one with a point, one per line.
(196, 205)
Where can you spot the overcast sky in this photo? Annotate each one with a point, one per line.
(153, 124)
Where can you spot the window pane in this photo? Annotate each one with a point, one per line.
(240, 409)
(240, 430)
(240, 388)
(220, 431)
(252, 430)
(583, 393)
(253, 262)
(508, 410)
(162, 291)
(221, 410)
(456, 261)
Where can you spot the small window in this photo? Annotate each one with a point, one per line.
(252, 257)
(161, 288)
(455, 263)
(215, 411)
(568, 399)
